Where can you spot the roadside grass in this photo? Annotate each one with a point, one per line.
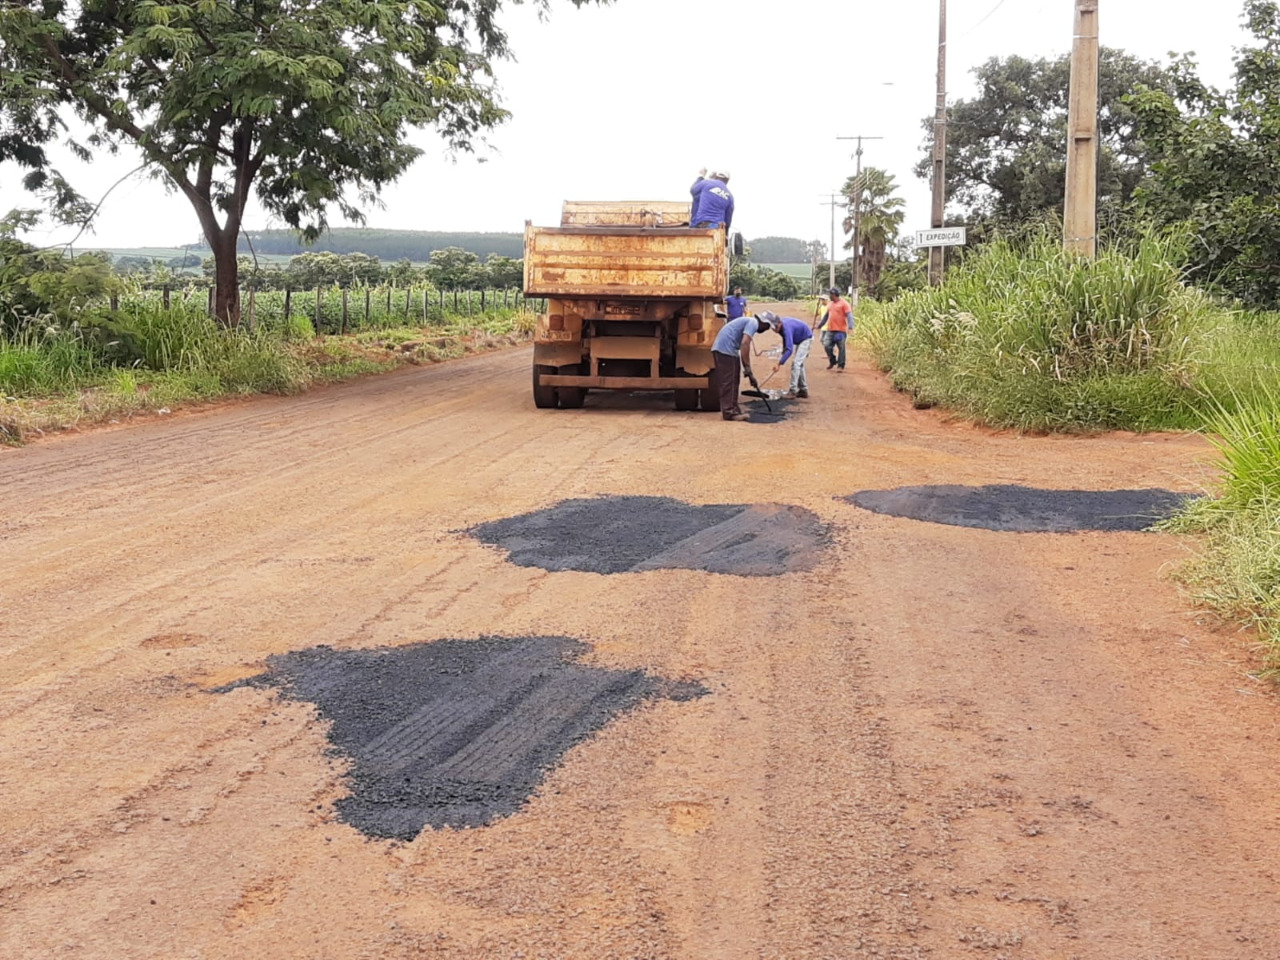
(141, 359)
(1032, 338)
(1237, 567)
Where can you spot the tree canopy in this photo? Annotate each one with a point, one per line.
(880, 216)
(1006, 147)
(306, 103)
(1217, 164)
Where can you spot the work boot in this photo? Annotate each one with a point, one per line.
(736, 416)
(831, 365)
(802, 394)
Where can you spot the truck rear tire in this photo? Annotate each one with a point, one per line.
(686, 400)
(544, 398)
(572, 398)
(710, 397)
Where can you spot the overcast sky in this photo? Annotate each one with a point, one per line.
(628, 101)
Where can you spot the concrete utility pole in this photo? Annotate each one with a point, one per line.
(1080, 218)
(831, 253)
(937, 255)
(855, 272)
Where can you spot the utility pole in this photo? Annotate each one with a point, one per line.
(1080, 218)
(855, 272)
(937, 255)
(831, 252)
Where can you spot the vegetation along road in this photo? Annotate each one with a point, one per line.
(912, 740)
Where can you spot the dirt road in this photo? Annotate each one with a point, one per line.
(942, 742)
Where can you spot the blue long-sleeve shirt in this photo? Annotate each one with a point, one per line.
(794, 333)
(712, 202)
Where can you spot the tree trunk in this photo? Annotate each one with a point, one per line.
(226, 296)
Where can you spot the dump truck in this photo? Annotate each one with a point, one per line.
(632, 294)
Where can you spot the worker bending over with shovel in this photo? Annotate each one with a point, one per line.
(797, 338)
(732, 353)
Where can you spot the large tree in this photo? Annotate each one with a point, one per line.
(306, 103)
(1007, 146)
(879, 218)
(1217, 164)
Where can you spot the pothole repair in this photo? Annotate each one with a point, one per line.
(456, 733)
(631, 534)
(1009, 507)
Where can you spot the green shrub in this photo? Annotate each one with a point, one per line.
(1032, 337)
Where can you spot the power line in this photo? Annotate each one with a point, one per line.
(990, 14)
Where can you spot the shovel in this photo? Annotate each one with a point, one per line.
(757, 392)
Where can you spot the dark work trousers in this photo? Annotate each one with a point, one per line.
(729, 376)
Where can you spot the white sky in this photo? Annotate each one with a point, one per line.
(629, 100)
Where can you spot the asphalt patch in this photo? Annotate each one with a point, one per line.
(1020, 509)
(757, 412)
(456, 733)
(628, 534)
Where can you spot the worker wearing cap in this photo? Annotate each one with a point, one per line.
(838, 320)
(732, 353)
(797, 338)
(712, 201)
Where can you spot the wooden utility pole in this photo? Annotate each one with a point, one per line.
(1080, 218)
(937, 255)
(855, 266)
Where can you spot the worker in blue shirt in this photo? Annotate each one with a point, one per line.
(732, 354)
(712, 201)
(797, 338)
(737, 304)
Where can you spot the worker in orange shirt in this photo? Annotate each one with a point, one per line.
(839, 321)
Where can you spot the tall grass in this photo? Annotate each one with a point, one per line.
(1238, 570)
(1029, 336)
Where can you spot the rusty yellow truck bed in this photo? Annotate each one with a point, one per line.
(625, 261)
(625, 213)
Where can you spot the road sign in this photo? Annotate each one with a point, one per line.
(941, 237)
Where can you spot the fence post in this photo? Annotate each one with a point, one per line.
(318, 314)
(441, 304)
(210, 308)
(368, 295)
(506, 297)
(288, 298)
(389, 289)
(482, 301)
(253, 299)
(408, 295)
(426, 304)
(166, 296)
(115, 302)
(345, 295)
(455, 299)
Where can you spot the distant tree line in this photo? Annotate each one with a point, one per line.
(384, 244)
(450, 268)
(418, 245)
(779, 250)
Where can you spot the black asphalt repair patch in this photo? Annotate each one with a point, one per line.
(456, 733)
(630, 534)
(1025, 509)
(775, 412)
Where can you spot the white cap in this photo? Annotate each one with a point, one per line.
(719, 173)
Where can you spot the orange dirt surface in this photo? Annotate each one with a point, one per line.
(945, 742)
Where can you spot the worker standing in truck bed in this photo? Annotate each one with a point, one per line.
(712, 201)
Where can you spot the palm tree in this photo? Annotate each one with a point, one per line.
(880, 218)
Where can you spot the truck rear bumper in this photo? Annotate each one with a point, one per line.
(626, 383)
